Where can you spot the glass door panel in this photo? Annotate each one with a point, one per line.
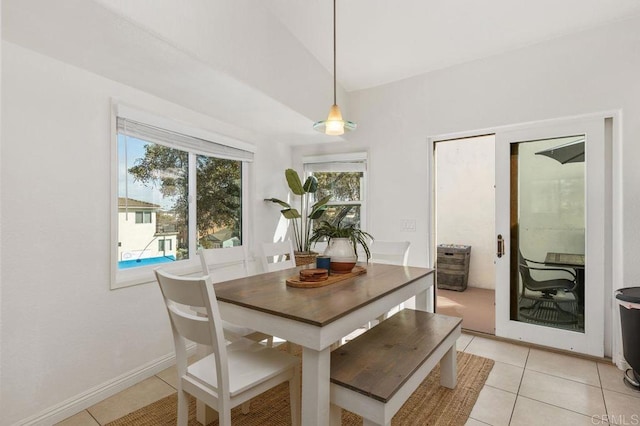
(548, 232)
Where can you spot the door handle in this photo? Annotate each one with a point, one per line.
(500, 251)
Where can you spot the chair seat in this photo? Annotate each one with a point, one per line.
(553, 284)
(236, 329)
(250, 363)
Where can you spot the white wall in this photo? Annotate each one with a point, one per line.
(275, 62)
(578, 74)
(551, 202)
(1, 316)
(465, 202)
(64, 333)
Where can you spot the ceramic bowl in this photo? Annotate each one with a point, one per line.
(342, 267)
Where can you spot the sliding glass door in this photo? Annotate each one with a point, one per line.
(550, 214)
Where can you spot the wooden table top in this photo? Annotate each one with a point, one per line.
(566, 259)
(317, 306)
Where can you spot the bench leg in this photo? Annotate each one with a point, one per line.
(448, 368)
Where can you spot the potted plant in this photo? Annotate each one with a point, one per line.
(342, 243)
(302, 219)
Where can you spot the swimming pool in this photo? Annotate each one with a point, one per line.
(135, 263)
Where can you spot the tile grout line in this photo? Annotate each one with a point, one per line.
(92, 416)
(556, 406)
(166, 383)
(604, 400)
(524, 368)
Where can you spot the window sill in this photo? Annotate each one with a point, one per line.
(144, 275)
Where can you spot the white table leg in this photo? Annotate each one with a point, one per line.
(315, 386)
(448, 368)
(424, 299)
(204, 413)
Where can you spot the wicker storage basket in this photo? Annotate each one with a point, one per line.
(305, 258)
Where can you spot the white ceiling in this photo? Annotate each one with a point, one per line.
(380, 41)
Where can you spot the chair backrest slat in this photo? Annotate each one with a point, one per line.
(278, 256)
(390, 252)
(224, 264)
(175, 290)
(195, 328)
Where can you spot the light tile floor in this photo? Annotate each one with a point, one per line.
(526, 387)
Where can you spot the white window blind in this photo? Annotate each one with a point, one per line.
(348, 162)
(336, 167)
(181, 141)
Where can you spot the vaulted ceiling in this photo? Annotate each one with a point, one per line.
(266, 65)
(380, 41)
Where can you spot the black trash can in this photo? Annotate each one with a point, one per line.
(629, 301)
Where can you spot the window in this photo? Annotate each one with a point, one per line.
(344, 177)
(143, 217)
(176, 193)
(165, 245)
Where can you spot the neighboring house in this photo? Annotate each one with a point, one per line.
(220, 238)
(140, 236)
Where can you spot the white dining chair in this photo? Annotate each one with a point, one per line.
(390, 253)
(230, 375)
(224, 264)
(319, 247)
(278, 256)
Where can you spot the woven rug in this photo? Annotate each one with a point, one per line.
(430, 404)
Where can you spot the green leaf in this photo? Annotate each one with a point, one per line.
(317, 212)
(322, 202)
(290, 213)
(275, 200)
(293, 180)
(311, 185)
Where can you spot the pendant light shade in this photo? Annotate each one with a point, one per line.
(334, 125)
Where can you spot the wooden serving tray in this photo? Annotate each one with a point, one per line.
(334, 278)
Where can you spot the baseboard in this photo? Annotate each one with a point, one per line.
(82, 401)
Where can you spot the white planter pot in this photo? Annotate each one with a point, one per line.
(343, 256)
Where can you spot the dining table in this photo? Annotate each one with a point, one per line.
(318, 317)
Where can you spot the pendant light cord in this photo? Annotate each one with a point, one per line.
(334, 52)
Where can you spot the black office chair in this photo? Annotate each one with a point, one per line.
(541, 300)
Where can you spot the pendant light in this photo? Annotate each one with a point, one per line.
(334, 124)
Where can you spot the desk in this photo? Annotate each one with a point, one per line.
(315, 318)
(573, 261)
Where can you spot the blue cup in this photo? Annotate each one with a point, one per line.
(323, 262)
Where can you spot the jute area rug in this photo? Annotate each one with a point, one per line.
(430, 404)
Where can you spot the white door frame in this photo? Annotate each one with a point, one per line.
(613, 222)
(591, 341)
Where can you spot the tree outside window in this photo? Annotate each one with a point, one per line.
(158, 176)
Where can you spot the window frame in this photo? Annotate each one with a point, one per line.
(316, 163)
(162, 243)
(121, 278)
(143, 214)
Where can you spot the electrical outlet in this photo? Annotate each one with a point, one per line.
(408, 225)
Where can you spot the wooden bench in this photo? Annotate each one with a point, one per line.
(374, 374)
